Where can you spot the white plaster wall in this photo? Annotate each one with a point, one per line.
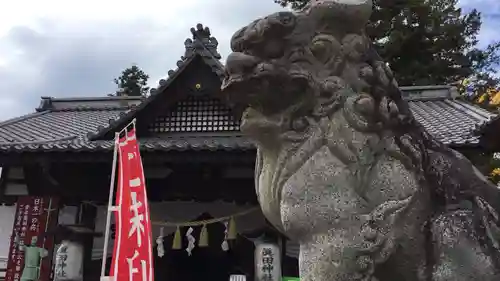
(7, 214)
(100, 226)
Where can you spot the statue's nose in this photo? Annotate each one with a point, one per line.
(239, 63)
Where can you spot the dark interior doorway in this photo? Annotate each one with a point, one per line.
(205, 263)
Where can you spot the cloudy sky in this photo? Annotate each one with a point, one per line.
(75, 48)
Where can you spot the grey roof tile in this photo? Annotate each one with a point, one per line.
(451, 121)
(50, 126)
(207, 143)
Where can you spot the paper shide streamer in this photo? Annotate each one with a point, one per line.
(159, 241)
(191, 241)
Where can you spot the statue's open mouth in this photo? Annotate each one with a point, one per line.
(255, 87)
(239, 81)
(264, 85)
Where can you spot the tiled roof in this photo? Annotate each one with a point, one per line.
(450, 120)
(48, 126)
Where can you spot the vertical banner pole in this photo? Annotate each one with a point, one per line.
(132, 256)
(110, 206)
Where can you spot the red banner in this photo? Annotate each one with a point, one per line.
(132, 255)
(34, 216)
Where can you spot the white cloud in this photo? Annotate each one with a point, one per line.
(75, 48)
(27, 12)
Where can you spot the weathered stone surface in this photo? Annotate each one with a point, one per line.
(343, 167)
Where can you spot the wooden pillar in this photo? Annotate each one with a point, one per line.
(86, 217)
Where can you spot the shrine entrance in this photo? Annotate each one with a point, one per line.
(210, 262)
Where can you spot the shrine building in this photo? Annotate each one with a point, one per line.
(198, 166)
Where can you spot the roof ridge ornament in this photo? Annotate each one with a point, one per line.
(202, 43)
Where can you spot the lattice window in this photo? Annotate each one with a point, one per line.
(196, 114)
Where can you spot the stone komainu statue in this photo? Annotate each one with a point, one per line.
(343, 167)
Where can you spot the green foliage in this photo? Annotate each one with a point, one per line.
(484, 83)
(429, 42)
(495, 171)
(294, 4)
(132, 82)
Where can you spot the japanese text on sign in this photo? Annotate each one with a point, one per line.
(137, 219)
(267, 264)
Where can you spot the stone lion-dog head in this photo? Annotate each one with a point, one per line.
(294, 71)
(291, 70)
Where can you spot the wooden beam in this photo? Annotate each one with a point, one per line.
(153, 156)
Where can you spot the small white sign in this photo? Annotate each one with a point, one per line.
(69, 262)
(267, 262)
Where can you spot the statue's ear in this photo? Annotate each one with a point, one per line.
(353, 14)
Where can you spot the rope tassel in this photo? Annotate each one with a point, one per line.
(177, 242)
(203, 237)
(232, 232)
